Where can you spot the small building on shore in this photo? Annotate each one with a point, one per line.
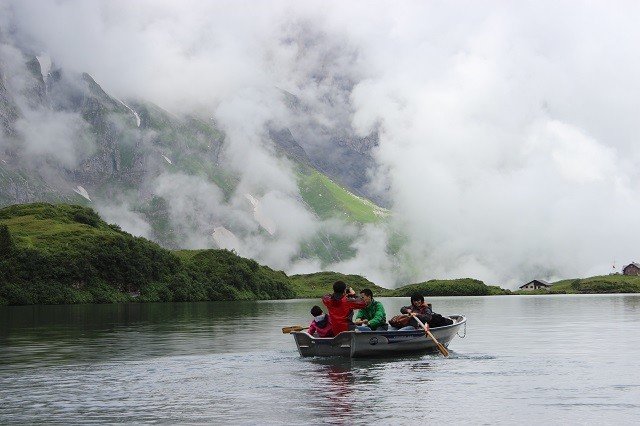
(534, 285)
(631, 269)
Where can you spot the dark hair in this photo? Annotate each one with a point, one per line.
(316, 310)
(417, 296)
(366, 292)
(339, 287)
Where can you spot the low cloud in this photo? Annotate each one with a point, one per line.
(59, 135)
(195, 208)
(128, 220)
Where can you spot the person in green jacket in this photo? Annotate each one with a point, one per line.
(372, 316)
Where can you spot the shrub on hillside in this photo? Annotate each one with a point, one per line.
(16, 294)
(495, 290)
(7, 245)
(228, 276)
(156, 292)
(87, 217)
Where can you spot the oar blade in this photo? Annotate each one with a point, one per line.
(439, 345)
(443, 350)
(293, 328)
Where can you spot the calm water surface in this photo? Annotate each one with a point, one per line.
(525, 359)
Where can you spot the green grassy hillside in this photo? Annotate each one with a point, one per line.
(597, 284)
(328, 199)
(68, 254)
(456, 287)
(320, 283)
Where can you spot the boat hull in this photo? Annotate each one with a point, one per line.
(365, 344)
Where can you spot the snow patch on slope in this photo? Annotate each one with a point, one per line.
(225, 239)
(263, 220)
(135, 114)
(81, 191)
(45, 65)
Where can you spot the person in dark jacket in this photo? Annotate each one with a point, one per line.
(320, 324)
(424, 312)
(340, 306)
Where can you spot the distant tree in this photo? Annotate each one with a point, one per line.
(7, 245)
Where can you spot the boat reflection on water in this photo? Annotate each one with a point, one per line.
(341, 385)
(348, 387)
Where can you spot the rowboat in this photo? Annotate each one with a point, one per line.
(362, 344)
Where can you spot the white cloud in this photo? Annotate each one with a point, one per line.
(372, 260)
(196, 207)
(56, 134)
(579, 157)
(129, 221)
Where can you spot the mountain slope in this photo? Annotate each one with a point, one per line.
(329, 199)
(66, 139)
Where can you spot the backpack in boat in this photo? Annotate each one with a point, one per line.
(400, 321)
(438, 320)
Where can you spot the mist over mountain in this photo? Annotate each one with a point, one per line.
(175, 178)
(500, 137)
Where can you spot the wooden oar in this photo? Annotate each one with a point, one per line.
(440, 346)
(293, 328)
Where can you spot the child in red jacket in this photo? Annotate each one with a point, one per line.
(320, 324)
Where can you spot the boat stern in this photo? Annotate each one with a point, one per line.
(330, 346)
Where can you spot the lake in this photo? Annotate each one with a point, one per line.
(561, 359)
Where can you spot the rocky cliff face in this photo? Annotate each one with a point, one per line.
(9, 111)
(112, 143)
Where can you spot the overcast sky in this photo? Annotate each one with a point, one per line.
(507, 129)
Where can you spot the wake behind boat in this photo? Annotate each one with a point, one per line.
(362, 344)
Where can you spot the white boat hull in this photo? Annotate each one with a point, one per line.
(362, 344)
